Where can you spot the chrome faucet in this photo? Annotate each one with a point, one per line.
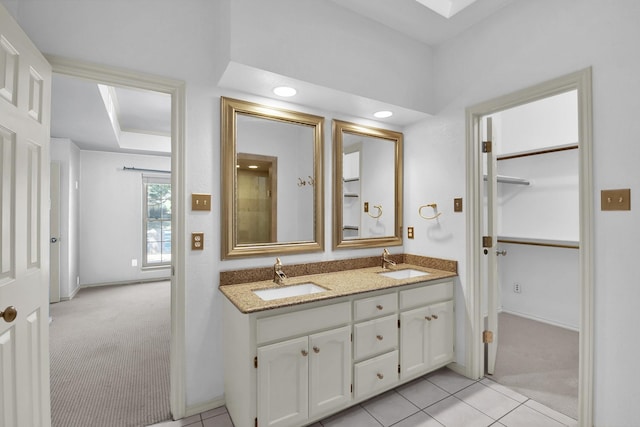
(386, 261)
(278, 274)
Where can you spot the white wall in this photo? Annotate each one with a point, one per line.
(323, 43)
(67, 154)
(111, 217)
(522, 45)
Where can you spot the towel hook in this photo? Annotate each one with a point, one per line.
(435, 210)
(379, 207)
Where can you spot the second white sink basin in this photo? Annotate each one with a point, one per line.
(289, 291)
(407, 273)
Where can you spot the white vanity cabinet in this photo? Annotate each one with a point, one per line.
(427, 332)
(303, 377)
(292, 366)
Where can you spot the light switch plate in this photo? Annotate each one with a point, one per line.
(366, 206)
(200, 202)
(457, 204)
(615, 200)
(197, 241)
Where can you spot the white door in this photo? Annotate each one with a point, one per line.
(329, 370)
(54, 256)
(491, 258)
(25, 87)
(283, 383)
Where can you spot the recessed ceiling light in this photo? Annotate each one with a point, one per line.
(284, 91)
(382, 114)
(253, 167)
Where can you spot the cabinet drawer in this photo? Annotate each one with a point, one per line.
(375, 336)
(302, 322)
(426, 295)
(368, 308)
(376, 374)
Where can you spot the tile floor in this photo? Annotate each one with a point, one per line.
(441, 398)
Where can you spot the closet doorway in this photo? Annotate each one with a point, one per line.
(535, 203)
(530, 233)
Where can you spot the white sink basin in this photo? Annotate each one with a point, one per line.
(288, 291)
(404, 274)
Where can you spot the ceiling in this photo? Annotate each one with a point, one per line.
(143, 124)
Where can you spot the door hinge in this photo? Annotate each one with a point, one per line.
(398, 323)
(351, 337)
(487, 337)
(255, 363)
(398, 368)
(351, 388)
(256, 421)
(486, 146)
(487, 241)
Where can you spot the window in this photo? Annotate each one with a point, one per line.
(157, 221)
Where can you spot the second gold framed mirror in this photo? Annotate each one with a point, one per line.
(367, 186)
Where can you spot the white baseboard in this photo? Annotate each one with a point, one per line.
(73, 294)
(204, 407)
(126, 282)
(542, 320)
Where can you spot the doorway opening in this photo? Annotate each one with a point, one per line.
(160, 160)
(572, 309)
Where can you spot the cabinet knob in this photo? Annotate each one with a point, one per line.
(379, 375)
(434, 316)
(304, 352)
(379, 337)
(316, 349)
(379, 307)
(428, 318)
(9, 314)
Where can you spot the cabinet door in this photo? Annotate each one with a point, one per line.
(283, 383)
(414, 356)
(329, 370)
(441, 333)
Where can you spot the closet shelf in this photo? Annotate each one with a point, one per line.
(351, 227)
(569, 244)
(351, 195)
(511, 180)
(536, 152)
(350, 179)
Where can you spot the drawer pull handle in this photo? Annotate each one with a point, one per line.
(379, 337)
(379, 375)
(379, 307)
(428, 318)
(434, 316)
(304, 352)
(316, 349)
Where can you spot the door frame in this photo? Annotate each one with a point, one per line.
(580, 81)
(175, 88)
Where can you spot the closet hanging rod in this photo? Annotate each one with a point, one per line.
(511, 180)
(133, 169)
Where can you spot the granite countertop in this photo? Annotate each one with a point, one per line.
(338, 284)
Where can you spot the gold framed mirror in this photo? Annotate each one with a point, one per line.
(272, 182)
(367, 186)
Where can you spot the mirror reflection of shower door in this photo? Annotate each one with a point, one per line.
(256, 198)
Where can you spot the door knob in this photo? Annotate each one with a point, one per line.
(502, 252)
(9, 314)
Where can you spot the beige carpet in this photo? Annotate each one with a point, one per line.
(110, 356)
(539, 361)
